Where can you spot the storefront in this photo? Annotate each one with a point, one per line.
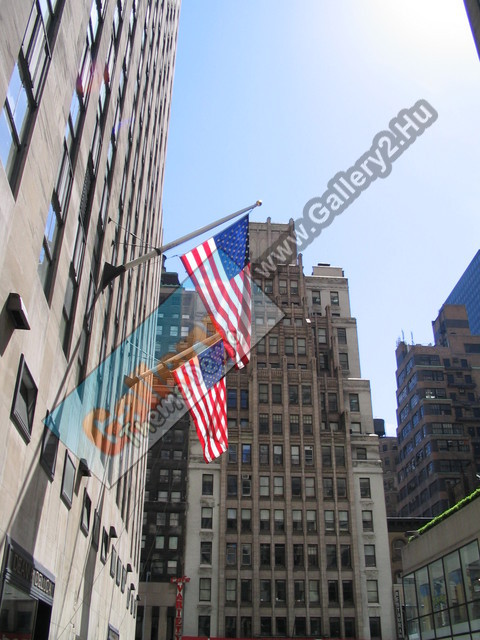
(26, 595)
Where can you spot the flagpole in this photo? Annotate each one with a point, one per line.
(186, 354)
(110, 272)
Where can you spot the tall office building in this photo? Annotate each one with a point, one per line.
(467, 292)
(85, 91)
(286, 533)
(438, 416)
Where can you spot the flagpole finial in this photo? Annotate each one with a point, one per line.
(259, 203)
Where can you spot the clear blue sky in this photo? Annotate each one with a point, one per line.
(273, 97)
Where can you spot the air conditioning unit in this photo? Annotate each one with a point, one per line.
(246, 476)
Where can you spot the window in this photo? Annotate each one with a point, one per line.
(204, 626)
(24, 400)
(265, 554)
(243, 398)
(297, 524)
(342, 335)
(246, 453)
(311, 521)
(273, 345)
(333, 592)
(312, 556)
(279, 520)
(361, 453)
(308, 455)
(365, 488)
(205, 552)
(295, 455)
(370, 559)
(264, 486)
(327, 456)
(329, 521)
(231, 590)
(296, 487)
(372, 591)
(265, 591)
(301, 346)
(293, 394)
(231, 399)
(347, 590)
(328, 487)
(263, 392)
(310, 487)
(230, 626)
(334, 300)
(277, 423)
(314, 591)
(299, 591)
(86, 510)
(345, 556)
(246, 522)
(367, 520)
(68, 480)
(307, 425)
(278, 454)
(278, 486)
(332, 402)
(279, 555)
(343, 359)
(298, 555)
(246, 554)
(263, 426)
(207, 517)
(322, 335)
(231, 554)
(246, 590)
(343, 521)
(294, 425)
(341, 487)
(306, 394)
(277, 393)
(375, 628)
(265, 520)
(331, 551)
(207, 484)
(289, 347)
(354, 402)
(263, 454)
(339, 456)
(48, 456)
(104, 547)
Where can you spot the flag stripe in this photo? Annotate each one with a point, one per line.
(207, 407)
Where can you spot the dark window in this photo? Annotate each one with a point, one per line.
(204, 626)
(207, 484)
(333, 592)
(342, 335)
(332, 402)
(24, 400)
(345, 556)
(279, 555)
(263, 423)
(68, 480)
(232, 486)
(48, 457)
(277, 393)
(263, 392)
(265, 554)
(296, 486)
(365, 491)
(231, 398)
(205, 552)
(331, 550)
(293, 394)
(246, 590)
(207, 517)
(243, 398)
(306, 394)
(347, 588)
(86, 510)
(354, 402)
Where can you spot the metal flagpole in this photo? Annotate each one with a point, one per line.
(110, 272)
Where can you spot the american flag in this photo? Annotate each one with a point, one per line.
(201, 381)
(220, 271)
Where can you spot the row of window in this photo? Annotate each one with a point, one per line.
(278, 626)
(265, 517)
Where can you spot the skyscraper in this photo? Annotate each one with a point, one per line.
(438, 416)
(286, 533)
(467, 292)
(85, 92)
